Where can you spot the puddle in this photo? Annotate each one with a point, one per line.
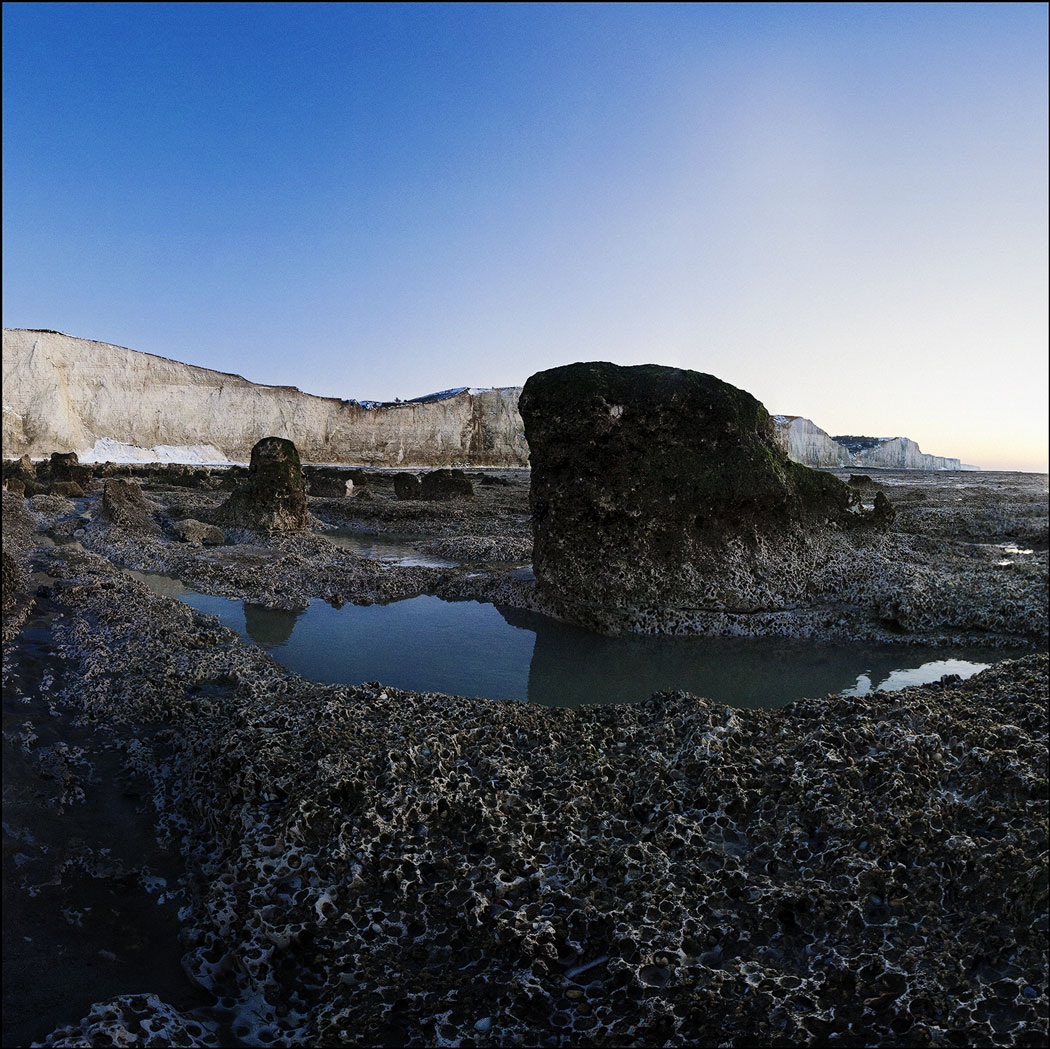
(390, 548)
(426, 644)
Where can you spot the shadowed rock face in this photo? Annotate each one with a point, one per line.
(123, 504)
(274, 497)
(61, 463)
(655, 489)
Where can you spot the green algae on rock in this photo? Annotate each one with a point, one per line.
(274, 497)
(658, 488)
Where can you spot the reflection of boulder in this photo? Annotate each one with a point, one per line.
(274, 497)
(269, 625)
(571, 666)
(656, 492)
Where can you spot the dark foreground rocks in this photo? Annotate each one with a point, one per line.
(375, 867)
(273, 498)
(656, 491)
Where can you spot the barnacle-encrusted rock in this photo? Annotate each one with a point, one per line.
(124, 505)
(14, 582)
(68, 489)
(198, 533)
(661, 489)
(274, 497)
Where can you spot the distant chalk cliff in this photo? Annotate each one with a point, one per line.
(67, 394)
(807, 443)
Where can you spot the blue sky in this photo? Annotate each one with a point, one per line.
(840, 208)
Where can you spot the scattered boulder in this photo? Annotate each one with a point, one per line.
(13, 484)
(407, 486)
(61, 462)
(274, 497)
(657, 492)
(441, 485)
(884, 514)
(197, 533)
(330, 485)
(124, 505)
(68, 489)
(859, 479)
(19, 469)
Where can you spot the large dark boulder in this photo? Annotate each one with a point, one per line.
(407, 486)
(273, 498)
(61, 463)
(441, 485)
(124, 505)
(658, 492)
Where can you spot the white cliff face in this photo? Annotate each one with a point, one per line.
(902, 453)
(67, 394)
(807, 443)
(74, 395)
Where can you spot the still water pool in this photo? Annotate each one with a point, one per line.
(467, 648)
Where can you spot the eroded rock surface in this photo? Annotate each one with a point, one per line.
(274, 497)
(197, 533)
(657, 490)
(124, 505)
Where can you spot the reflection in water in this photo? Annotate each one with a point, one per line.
(571, 666)
(269, 626)
(467, 648)
(386, 547)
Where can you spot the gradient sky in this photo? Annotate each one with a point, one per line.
(839, 208)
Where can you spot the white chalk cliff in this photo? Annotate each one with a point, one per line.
(68, 394)
(807, 443)
(107, 402)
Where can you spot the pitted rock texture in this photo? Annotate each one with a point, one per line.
(274, 497)
(124, 505)
(197, 533)
(375, 867)
(657, 489)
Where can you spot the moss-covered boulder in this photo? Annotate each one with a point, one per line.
(273, 497)
(657, 491)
